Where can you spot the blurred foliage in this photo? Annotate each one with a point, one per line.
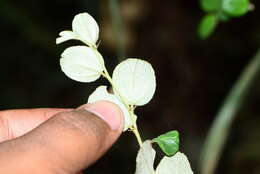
(193, 76)
(219, 131)
(207, 26)
(220, 10)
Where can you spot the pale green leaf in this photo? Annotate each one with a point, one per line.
(177, 164)
(82, 63)
(135, 81)
(145, 159)
(101, 94)
(66, 35)
(86, 28)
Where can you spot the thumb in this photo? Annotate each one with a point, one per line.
(66, 143)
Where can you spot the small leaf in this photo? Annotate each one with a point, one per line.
(210, 5)
(207, 26)
(135, 81)
(66, 35)
(168, 142)
(235, 8)
(82, 63)
(101, 94)
(145, 159)
(177, 164)
(86, 27)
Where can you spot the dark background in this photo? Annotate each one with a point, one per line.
(193, 76)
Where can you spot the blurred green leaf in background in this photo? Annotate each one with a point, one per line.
(207, 25)
(220, 10)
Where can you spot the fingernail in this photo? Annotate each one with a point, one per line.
(108, 112)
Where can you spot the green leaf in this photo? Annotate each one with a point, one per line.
(235, 8)
(207, 25)
(210, 5)
(168, 142)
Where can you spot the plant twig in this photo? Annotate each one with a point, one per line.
(130, 109)
(219, 130)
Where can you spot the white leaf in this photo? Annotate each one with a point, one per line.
(101, 94)
(66, 35)
(177, 164)
(145, 159)
(86, 28)
(135, 81)
(82, 63)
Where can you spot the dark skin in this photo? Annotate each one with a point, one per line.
(57, 141)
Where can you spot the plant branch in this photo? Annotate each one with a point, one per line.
(137, 135)
(219, 130)
(134, 129)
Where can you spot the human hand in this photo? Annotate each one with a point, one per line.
(57, 141)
